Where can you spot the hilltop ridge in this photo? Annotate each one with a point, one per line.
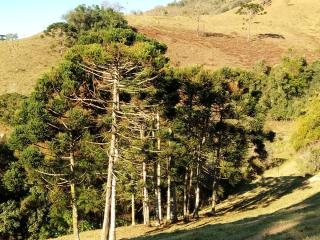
(288, 25)
(193, 7)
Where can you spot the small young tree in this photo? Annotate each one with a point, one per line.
(199, 11)
(59, 31)
(250, 11)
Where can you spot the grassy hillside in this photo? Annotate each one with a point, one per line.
(23, 61)
(288, 24)
(191, 7)
(282, 204)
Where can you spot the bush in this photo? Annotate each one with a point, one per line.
(9, 103)
(9, 219)
(288, 86)
(308, 129)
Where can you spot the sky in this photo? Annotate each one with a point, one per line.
(28, 17)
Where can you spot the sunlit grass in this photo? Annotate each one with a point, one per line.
(23, 61)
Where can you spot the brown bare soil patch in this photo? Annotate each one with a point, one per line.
(214, 50)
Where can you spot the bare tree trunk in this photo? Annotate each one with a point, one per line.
(187, 190)
(190, 191)
(216, 172)
(146, 218)
(185, 197)
(213, 197)
(174, 203)
(159, 169)
(156, 193)
(198, 25)
(74, 200)
(169, 192)
(157, 172)
(112, 234)
(159, 191)
(107, 212)
(133, 211)
(215, 181)
(249, 28)
(169, 183)
(197, 191)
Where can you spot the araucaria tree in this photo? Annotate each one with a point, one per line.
(250, 11)
(122, 77)
(52, 131)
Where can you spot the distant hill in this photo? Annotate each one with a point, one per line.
(289, 26)
(191, 7)
(23, 61)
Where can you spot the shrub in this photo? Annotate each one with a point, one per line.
(9, 103)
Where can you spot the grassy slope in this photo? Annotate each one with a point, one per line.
(201, 6)
(23, 61)
(280, 205)
(297, 22)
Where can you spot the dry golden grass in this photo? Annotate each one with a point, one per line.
(297, 22)
(23, 61)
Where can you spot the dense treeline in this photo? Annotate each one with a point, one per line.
(113, 135)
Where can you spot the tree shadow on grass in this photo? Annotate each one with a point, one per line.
(300, 221)
(215, 35)
(270, 35)
(270, 190)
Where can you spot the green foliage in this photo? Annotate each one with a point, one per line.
(288, 86)
(308, 129)
(106, 36)
(82, 24)
(6, 156)
(250, 9)
(10, 217)
(57, 29)
(9, 103)
(14, 178)
(84, 18)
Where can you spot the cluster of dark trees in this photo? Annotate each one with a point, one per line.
(114, 135)
(9, 36)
